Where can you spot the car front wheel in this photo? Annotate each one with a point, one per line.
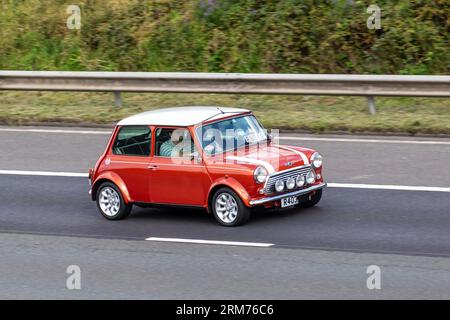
(228, 208)
(110, 202)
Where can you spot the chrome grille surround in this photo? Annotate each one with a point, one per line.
(269, 186)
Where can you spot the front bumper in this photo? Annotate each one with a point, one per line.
(290, 194)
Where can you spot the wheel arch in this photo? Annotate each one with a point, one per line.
(116, 180)
(232, 184)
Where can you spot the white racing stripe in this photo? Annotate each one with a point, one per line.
(225, 243)
(301, 154)
(425, 142)
(387, 187)
(331, 184)
(265, 164)
(43, 173)
(55, 131)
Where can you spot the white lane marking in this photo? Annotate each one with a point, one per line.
(54, 131)
(226, 243)
(301, 154)
(43, 173)
(387, 187)
(267, 165)
(331, 184)
(426, 142)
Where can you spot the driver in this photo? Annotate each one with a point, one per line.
(178, 145)
(210, 140)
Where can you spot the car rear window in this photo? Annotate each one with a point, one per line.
(133, 141)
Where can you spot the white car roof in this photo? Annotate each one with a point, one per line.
(181, 116)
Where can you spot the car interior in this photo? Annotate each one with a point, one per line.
(161, 135)
(133, 141)
(164, 134)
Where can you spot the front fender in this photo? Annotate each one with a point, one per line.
(114, 178)
(233, 184)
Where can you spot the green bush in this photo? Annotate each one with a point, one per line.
(288, 36)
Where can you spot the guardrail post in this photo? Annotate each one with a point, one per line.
(372, 106)
(117, 99)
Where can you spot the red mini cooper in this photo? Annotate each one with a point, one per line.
(220, 159)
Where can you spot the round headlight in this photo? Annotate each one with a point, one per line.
(310, 177)
(260, 174)
(279, 185)
(300, 181)
(290, 183)
(316, 160)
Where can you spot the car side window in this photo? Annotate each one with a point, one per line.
(170, 142)
(133, 141)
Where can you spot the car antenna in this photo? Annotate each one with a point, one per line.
(220, 110)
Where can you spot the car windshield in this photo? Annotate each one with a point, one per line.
(230, 134)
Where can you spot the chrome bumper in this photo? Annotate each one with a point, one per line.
(290, 194)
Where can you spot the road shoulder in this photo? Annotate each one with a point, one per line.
(34, 267)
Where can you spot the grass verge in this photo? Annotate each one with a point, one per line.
(306, 113)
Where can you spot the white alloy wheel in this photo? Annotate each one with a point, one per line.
(226, 207)
(109, 201)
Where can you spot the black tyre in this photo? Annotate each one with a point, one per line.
(110, 202)
(228, 208)
(313, 199)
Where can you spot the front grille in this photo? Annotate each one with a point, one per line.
(284, 175)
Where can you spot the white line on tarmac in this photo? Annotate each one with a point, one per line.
(226, 243)
(355, 140)
(43, 173)
(331, 184)
(54, 131)
(387, 187)
(424, 142)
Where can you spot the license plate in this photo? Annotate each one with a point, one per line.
(289, 201)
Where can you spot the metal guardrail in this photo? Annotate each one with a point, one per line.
(229, 83)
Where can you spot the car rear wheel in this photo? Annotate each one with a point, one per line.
(228, 208)
(110, 202)
(313, 199)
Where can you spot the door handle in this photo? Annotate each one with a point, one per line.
(153, 167)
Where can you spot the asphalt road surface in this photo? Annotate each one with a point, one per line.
(48, 223)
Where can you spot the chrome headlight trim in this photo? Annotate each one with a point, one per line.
(310, 177)
(290, 183)
(279, 185)
(260, 174)
(300, 181)
(316, 160)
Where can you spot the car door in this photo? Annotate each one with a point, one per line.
(129, 158)
(179, 179)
